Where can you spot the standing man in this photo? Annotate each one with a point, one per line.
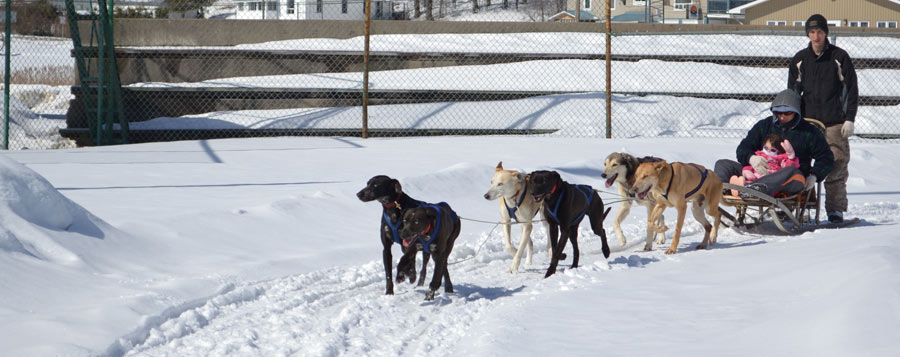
(823, 75)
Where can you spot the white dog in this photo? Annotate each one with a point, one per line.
(515, 203)
(620, 168)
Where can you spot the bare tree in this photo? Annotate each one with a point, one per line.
(417, 9)
(429, 8)
(474, 6)
(539, 10)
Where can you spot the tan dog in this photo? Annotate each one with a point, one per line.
(620, 168)
(674, 185)
(515, 203)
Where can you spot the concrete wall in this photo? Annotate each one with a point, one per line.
(215, 32)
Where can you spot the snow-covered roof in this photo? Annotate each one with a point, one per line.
(740, 9)
(585, 15)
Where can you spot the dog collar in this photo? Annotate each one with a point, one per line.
(512, 210)
(671, 178)
(394, 203)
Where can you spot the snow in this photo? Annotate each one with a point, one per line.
(259, 247)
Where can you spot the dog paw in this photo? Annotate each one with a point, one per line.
(660, 240)
(670, 251)
(429, 296)
(701, 246)
(660, 229)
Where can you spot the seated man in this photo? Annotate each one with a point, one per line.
(807, 140)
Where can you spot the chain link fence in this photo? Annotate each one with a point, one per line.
(457, 82)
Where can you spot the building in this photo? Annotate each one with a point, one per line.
(569, 16)
(665, 11)
(843, 13)
(86, 6)
(311, 9)
(858, 13)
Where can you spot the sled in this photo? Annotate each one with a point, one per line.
(793, 214)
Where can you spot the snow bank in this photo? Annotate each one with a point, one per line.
(32, 212)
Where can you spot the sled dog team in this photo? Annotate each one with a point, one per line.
(649, 181)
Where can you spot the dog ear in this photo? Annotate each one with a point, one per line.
(556, 176)
(499, 166)
(397, 187)
(659, 166)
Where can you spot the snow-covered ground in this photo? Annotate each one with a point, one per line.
(260, 247)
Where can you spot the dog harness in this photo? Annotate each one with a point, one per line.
(426, 245)
(512, 210)
(395, 227)
(686, 195)
(585, 190)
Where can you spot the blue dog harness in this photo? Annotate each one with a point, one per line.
(512, 210)
(426, 245)
(395, 227)
(585, 190)
(703, 174)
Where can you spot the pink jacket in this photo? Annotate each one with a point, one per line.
(775, 163)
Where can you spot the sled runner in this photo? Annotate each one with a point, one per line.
(792, 214)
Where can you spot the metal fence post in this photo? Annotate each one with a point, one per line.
(6, 42)
(365, 98)
(608, 71)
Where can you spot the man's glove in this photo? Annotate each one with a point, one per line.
(811, 180)
(759, 164)
(847, 129)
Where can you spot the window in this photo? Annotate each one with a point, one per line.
(682, 4)
(379, 9)
(776, 23)
(272, 6)
(344, 6)
(859, 24)
(639, 3)
(240, 6)
(886, 24)
(290, 6)
(586, 4)
(319, 6)
(253, 6)
(799, 23)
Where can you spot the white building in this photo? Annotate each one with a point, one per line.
(310, 9)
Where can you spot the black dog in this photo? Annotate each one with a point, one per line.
(433, 229)
(564, 206)
(394, 203)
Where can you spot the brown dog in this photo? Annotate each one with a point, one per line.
(674, 185)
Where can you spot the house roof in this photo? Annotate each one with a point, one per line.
(585, 15)
(740, 9)
(634, 16)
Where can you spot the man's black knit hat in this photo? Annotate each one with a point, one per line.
(817, 21)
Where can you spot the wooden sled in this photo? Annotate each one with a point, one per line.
(792, 214)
